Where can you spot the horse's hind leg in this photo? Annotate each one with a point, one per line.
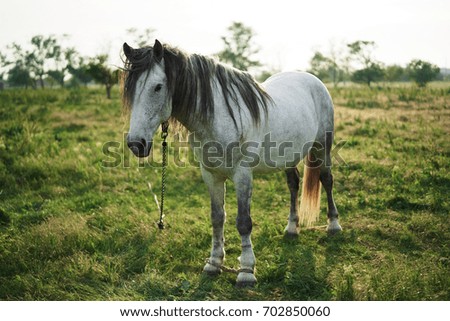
(326, 178)
(293, 182)
(216, 186)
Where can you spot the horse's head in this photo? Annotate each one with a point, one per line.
(146, 94)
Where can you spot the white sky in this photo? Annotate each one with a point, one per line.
(287, 31)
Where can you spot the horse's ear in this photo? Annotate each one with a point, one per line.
(127, 50)
(158, 50)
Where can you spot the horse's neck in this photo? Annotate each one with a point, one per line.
(192, 124)
(218, 126)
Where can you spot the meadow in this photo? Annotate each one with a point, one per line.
(73, 227)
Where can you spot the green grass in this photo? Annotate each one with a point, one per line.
(72, 229)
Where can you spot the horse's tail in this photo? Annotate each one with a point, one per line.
(310, 199)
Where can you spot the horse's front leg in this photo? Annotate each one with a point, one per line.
(216, 186)
(243, 184)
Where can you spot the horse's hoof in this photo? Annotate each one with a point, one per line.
(292, 229)
(334, 229)
(245, 280)
(211, 270)
(291, 234)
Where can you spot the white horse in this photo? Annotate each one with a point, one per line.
(240, 128)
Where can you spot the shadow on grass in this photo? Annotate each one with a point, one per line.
(293, 270)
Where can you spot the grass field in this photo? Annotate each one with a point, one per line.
(73, 229)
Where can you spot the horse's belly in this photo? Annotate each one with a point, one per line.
(280, 154)
(282, 144)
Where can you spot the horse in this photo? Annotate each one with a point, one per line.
(247, 127)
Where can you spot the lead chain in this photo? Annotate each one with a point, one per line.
(164, 134)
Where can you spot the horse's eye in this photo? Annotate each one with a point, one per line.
(158, 87)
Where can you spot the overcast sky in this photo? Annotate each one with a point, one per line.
(287, 31)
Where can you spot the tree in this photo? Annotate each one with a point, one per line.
(102, 74)
(394, 73)
(3, 64)
(79, 69)
(327, 68)
(63, 58)
(44, 48)
(43, 57)
(239, 47)
(19, 74)
(367, 75)
(362, 52)
(319, 66)
(422, 72)
(331, 66)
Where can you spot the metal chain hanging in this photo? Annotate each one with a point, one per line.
(164, 134)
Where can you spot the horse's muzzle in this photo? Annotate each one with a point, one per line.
(140, 148)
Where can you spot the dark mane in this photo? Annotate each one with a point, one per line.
(190, 80)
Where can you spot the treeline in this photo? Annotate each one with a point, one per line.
(44, 61)
(356, 62)
(351, 62)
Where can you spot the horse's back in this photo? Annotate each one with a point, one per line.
(298, 86)
(301, 101)
(299, 115)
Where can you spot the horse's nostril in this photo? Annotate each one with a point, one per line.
(140, 144)
(139, 147)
